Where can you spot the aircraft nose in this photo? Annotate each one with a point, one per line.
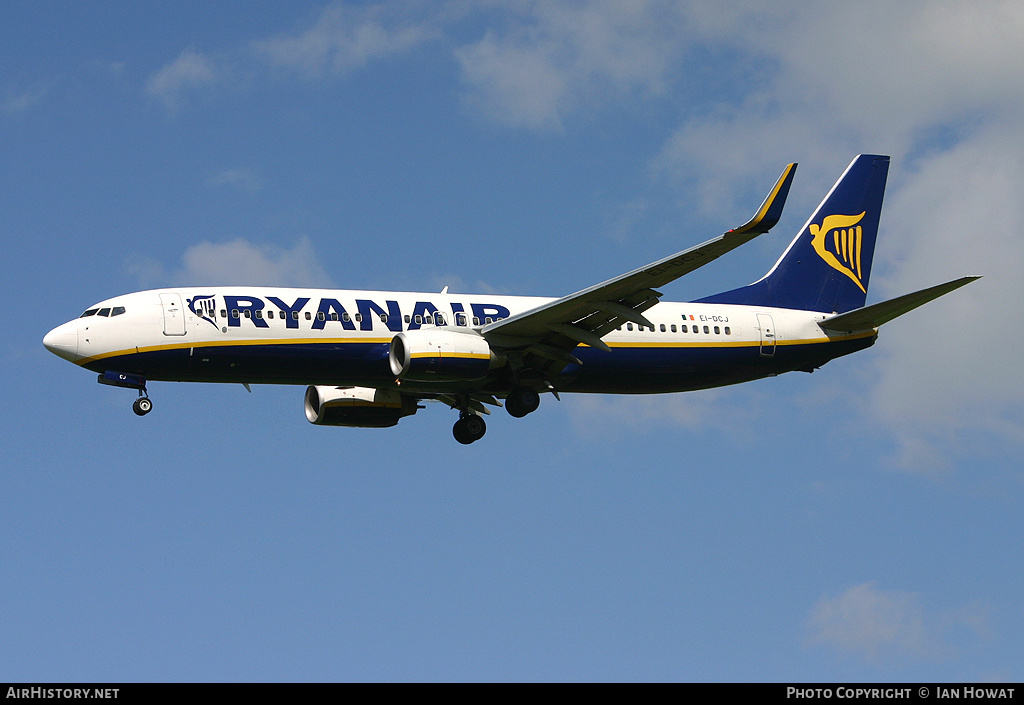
(62, 341)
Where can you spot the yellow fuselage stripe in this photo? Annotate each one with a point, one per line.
(356, 341)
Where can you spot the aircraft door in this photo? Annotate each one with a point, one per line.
(174, 316)
(767, 327)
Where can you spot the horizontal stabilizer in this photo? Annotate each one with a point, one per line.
(876, 314)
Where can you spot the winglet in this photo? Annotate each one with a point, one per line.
(771, 210)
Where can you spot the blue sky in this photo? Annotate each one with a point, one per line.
(860, 523)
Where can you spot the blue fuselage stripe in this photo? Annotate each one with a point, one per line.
(626, 369)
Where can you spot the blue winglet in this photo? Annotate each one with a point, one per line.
(771, 210)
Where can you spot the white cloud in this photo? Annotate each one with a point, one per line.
(513, 84)
(235, 262)
(346, 38)
(241, 178)
(553, 57)
(950, 371)
(895, 69)
(736, 412)
(844, 78)
(20, 102)
(190, 71)
(931, 83)
(869, 623)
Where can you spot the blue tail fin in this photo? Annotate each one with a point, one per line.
(826, 268)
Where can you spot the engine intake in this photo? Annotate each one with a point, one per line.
(438, 355)
(356, 406)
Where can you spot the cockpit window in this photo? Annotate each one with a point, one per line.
(90, 312)
(117, 311)
(103, 312)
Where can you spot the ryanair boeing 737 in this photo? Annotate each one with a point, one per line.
(370, 357)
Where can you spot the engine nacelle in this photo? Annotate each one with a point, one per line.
(440, 355)
(357, 406)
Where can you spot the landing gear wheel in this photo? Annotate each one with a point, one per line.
(469, 428)
(522, 401)
(142, 406)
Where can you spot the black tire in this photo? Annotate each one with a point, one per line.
(469, 429)
(476, 427)
(522, 401)
(142, 406)
(513, 408)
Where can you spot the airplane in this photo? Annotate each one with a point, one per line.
(369, 358)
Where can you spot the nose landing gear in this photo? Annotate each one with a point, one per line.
(143, 405)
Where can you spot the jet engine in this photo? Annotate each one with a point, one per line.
(357, 406)
(439, 355)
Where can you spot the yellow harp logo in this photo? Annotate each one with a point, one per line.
(838, 242)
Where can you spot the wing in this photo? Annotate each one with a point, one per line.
(548, 333)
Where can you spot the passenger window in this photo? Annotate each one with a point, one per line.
(103, 312)
(320, 316)
(716, 330)
(629, 326)
(223, 313)
(418, 320)
(685, 329)
(358, 317)
(727, 331)
(476, 320)
(673, 327)
(309, 316)
(407, 318)
(706, 331)
(488, 320)
(270, 314)
(234, 313)
(383, 318)
(662, 327)
(334, 316)
(439, 319)
(248, 313)
(460, 319)
(344, 317)
(259, 313)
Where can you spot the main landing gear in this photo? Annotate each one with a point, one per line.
(522, 401)
(469, 428)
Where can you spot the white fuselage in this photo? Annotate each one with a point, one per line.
(320, 336)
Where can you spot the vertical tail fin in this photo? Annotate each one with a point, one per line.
(827, 266)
